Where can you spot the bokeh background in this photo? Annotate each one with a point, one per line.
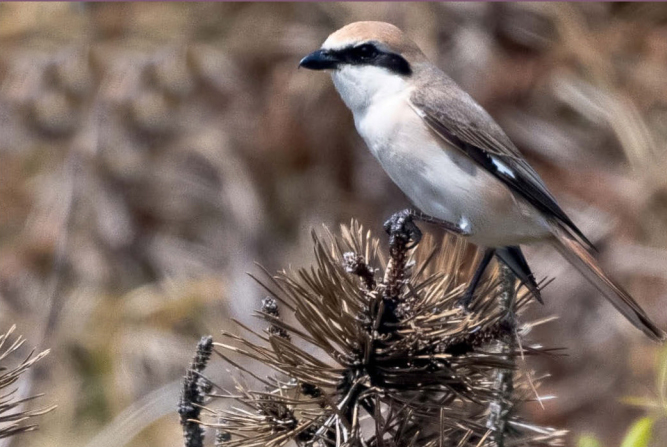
(151, 153)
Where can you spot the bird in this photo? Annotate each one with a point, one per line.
(452, 160)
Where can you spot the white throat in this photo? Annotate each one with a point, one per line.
(363, 86)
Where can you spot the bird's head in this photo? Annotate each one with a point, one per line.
(368, 62)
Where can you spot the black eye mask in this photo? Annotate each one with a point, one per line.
(363, 54)
(369, 54)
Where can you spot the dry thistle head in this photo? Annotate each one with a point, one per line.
(380, 354)
(14, 419)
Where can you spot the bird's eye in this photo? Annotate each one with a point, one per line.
(365, 52)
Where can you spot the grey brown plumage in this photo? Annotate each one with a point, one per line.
(455, 117)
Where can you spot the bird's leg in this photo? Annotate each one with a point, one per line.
(448, 226)
(401, 224)
(469, 293)
(401, 227)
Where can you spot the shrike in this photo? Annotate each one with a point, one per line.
(451, 158)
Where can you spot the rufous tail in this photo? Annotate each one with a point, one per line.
(577, 255)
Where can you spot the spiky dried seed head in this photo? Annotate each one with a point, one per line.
(399, 351)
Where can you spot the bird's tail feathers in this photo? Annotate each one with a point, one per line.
(577, 255)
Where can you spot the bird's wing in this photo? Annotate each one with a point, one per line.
(456, 118)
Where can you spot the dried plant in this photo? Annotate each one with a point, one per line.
(14, 419)
(374, 359)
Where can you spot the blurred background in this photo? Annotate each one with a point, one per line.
(151, 153)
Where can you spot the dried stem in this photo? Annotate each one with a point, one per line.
(500, 409)
(394, 277)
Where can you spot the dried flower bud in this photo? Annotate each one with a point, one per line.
(270, 306)
(193, 394)
(356, 265)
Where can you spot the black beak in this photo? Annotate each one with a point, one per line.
(320, 60)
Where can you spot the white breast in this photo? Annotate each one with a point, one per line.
(440, 180)
(362, 85)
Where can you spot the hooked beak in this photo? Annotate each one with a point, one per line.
(320, 60)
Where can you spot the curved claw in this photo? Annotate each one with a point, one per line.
(414, 233)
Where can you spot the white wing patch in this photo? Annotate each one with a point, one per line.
(465, 225)
(502, 167)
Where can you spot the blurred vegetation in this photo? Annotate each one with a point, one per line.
(151, 152)
(642, 431)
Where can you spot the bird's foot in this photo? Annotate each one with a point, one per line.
(402, 229)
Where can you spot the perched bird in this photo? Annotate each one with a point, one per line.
(451, 158)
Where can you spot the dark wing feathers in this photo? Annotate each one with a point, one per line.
(456, 118)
